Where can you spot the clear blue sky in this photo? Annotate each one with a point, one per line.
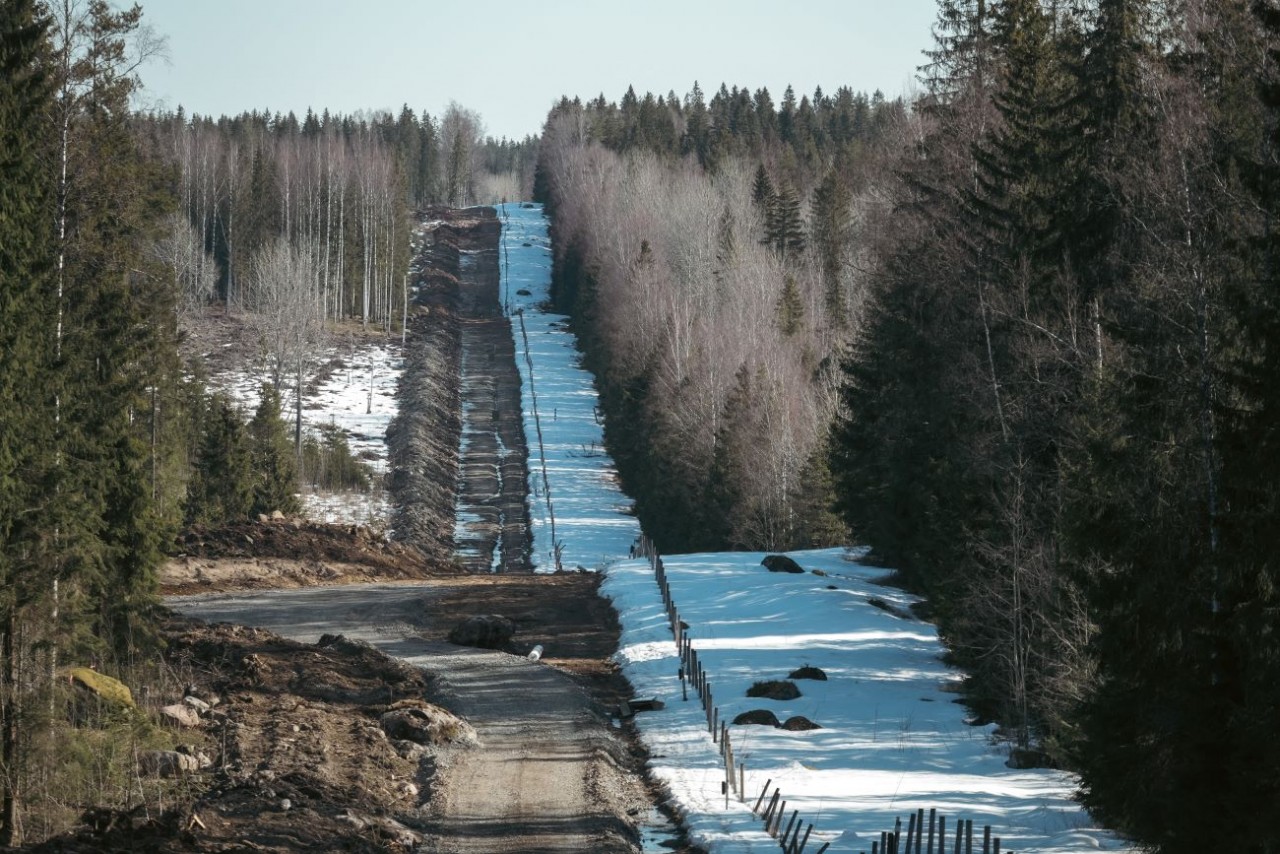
(511, 61)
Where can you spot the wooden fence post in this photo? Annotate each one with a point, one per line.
(794, 815)
(773, 803)
(760, 800)
(805, 841)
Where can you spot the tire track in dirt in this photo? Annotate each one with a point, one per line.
(459, 455)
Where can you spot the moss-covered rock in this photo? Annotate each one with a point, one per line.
(111, 690)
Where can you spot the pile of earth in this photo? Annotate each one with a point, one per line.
(309, 748)
(290, 552)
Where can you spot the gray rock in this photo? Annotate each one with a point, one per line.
(180, 714)
(426, 725)
(808, 672)
(758, 717)
(196, 703)
(166, 763)
(774, 689)
(799, 723)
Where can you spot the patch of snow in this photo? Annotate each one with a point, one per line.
(358, 398)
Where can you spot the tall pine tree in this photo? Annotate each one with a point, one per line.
(26, 250)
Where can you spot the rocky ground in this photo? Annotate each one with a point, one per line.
(306, 747)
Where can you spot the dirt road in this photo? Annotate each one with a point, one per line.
(549, 774)
(492, 534)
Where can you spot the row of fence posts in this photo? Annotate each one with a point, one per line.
(556, 546)
(773, 809)
(919, 840)
(692, 672)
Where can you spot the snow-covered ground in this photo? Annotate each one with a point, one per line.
(360, 399)
(591, 515)
(893, 739)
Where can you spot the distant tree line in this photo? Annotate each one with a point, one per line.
(713, 256)
(338, 189)
(1050, 285)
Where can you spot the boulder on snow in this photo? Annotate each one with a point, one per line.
(774, 689)
(799, 723)
(808, 672)
(486, 631)
(781, 563)
(758, 717)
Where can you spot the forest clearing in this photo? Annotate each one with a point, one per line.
(791, 465)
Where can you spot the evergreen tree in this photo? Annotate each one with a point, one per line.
(762, 189)
(725, 489)
(784, 227)
(959, 66)
(830, 229)
(818, 524)
(261, 216)
(1182, 493)
(790, 308)
(119, 347)
(275, 462)
(222, 485)
(26, 247)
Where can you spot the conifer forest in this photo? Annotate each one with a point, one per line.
(1017, 331)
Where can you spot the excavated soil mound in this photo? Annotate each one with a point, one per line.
(301, 759)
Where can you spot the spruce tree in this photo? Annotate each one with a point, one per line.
(26, 250)
(275, 462)
(222, 485)
(790, 308)
(119, 348)
(784, 227)
(1182, 498)
(830, 222)
(960, 61)
(762, 189)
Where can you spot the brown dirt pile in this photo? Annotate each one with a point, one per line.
(301, 761)
(289, 553)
